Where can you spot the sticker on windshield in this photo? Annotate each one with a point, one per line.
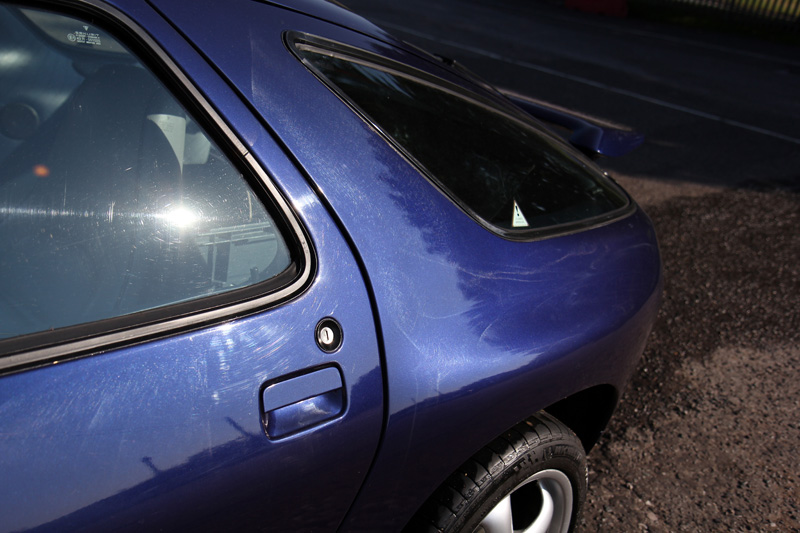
(72, 31)
(84, 37)
(518, 220)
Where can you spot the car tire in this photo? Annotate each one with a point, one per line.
(532, 478)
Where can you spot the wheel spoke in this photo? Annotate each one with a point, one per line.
(543, 503)
(499, 520)
(545, 519)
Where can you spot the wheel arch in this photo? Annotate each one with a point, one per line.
(587, 412)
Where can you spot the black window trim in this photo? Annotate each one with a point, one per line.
(52, 347)
(296, 40)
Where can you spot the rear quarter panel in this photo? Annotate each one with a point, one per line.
(479, 332)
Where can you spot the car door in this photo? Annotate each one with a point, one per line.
(186, 339)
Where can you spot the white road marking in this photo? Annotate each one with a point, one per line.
(596, 84)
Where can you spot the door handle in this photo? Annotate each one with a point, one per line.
(289, 405)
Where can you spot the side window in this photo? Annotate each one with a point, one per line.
(492, 161)
(113, 200)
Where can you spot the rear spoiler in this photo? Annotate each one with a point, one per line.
(586, 136)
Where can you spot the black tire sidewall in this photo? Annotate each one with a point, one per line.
(563, 453)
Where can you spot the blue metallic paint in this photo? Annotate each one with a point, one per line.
(479, 332)
(470, 321)
(122, 438)
(168, 433)
(127, 439)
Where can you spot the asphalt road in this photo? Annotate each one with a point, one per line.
(715, 109)
(707, 434)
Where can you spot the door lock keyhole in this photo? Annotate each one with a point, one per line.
(329, 335)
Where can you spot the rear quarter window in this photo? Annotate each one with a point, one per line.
(496, 164)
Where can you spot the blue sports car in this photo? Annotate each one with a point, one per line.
(265, 267)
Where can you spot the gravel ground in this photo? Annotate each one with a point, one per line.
(707, 435)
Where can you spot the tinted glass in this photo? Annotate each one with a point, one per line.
(497, 166)
(112, 199)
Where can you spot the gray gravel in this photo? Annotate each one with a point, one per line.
(707, 435)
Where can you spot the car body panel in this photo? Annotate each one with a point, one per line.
(469, 320)
(333, 12)
(467, 333)
(168, 433)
